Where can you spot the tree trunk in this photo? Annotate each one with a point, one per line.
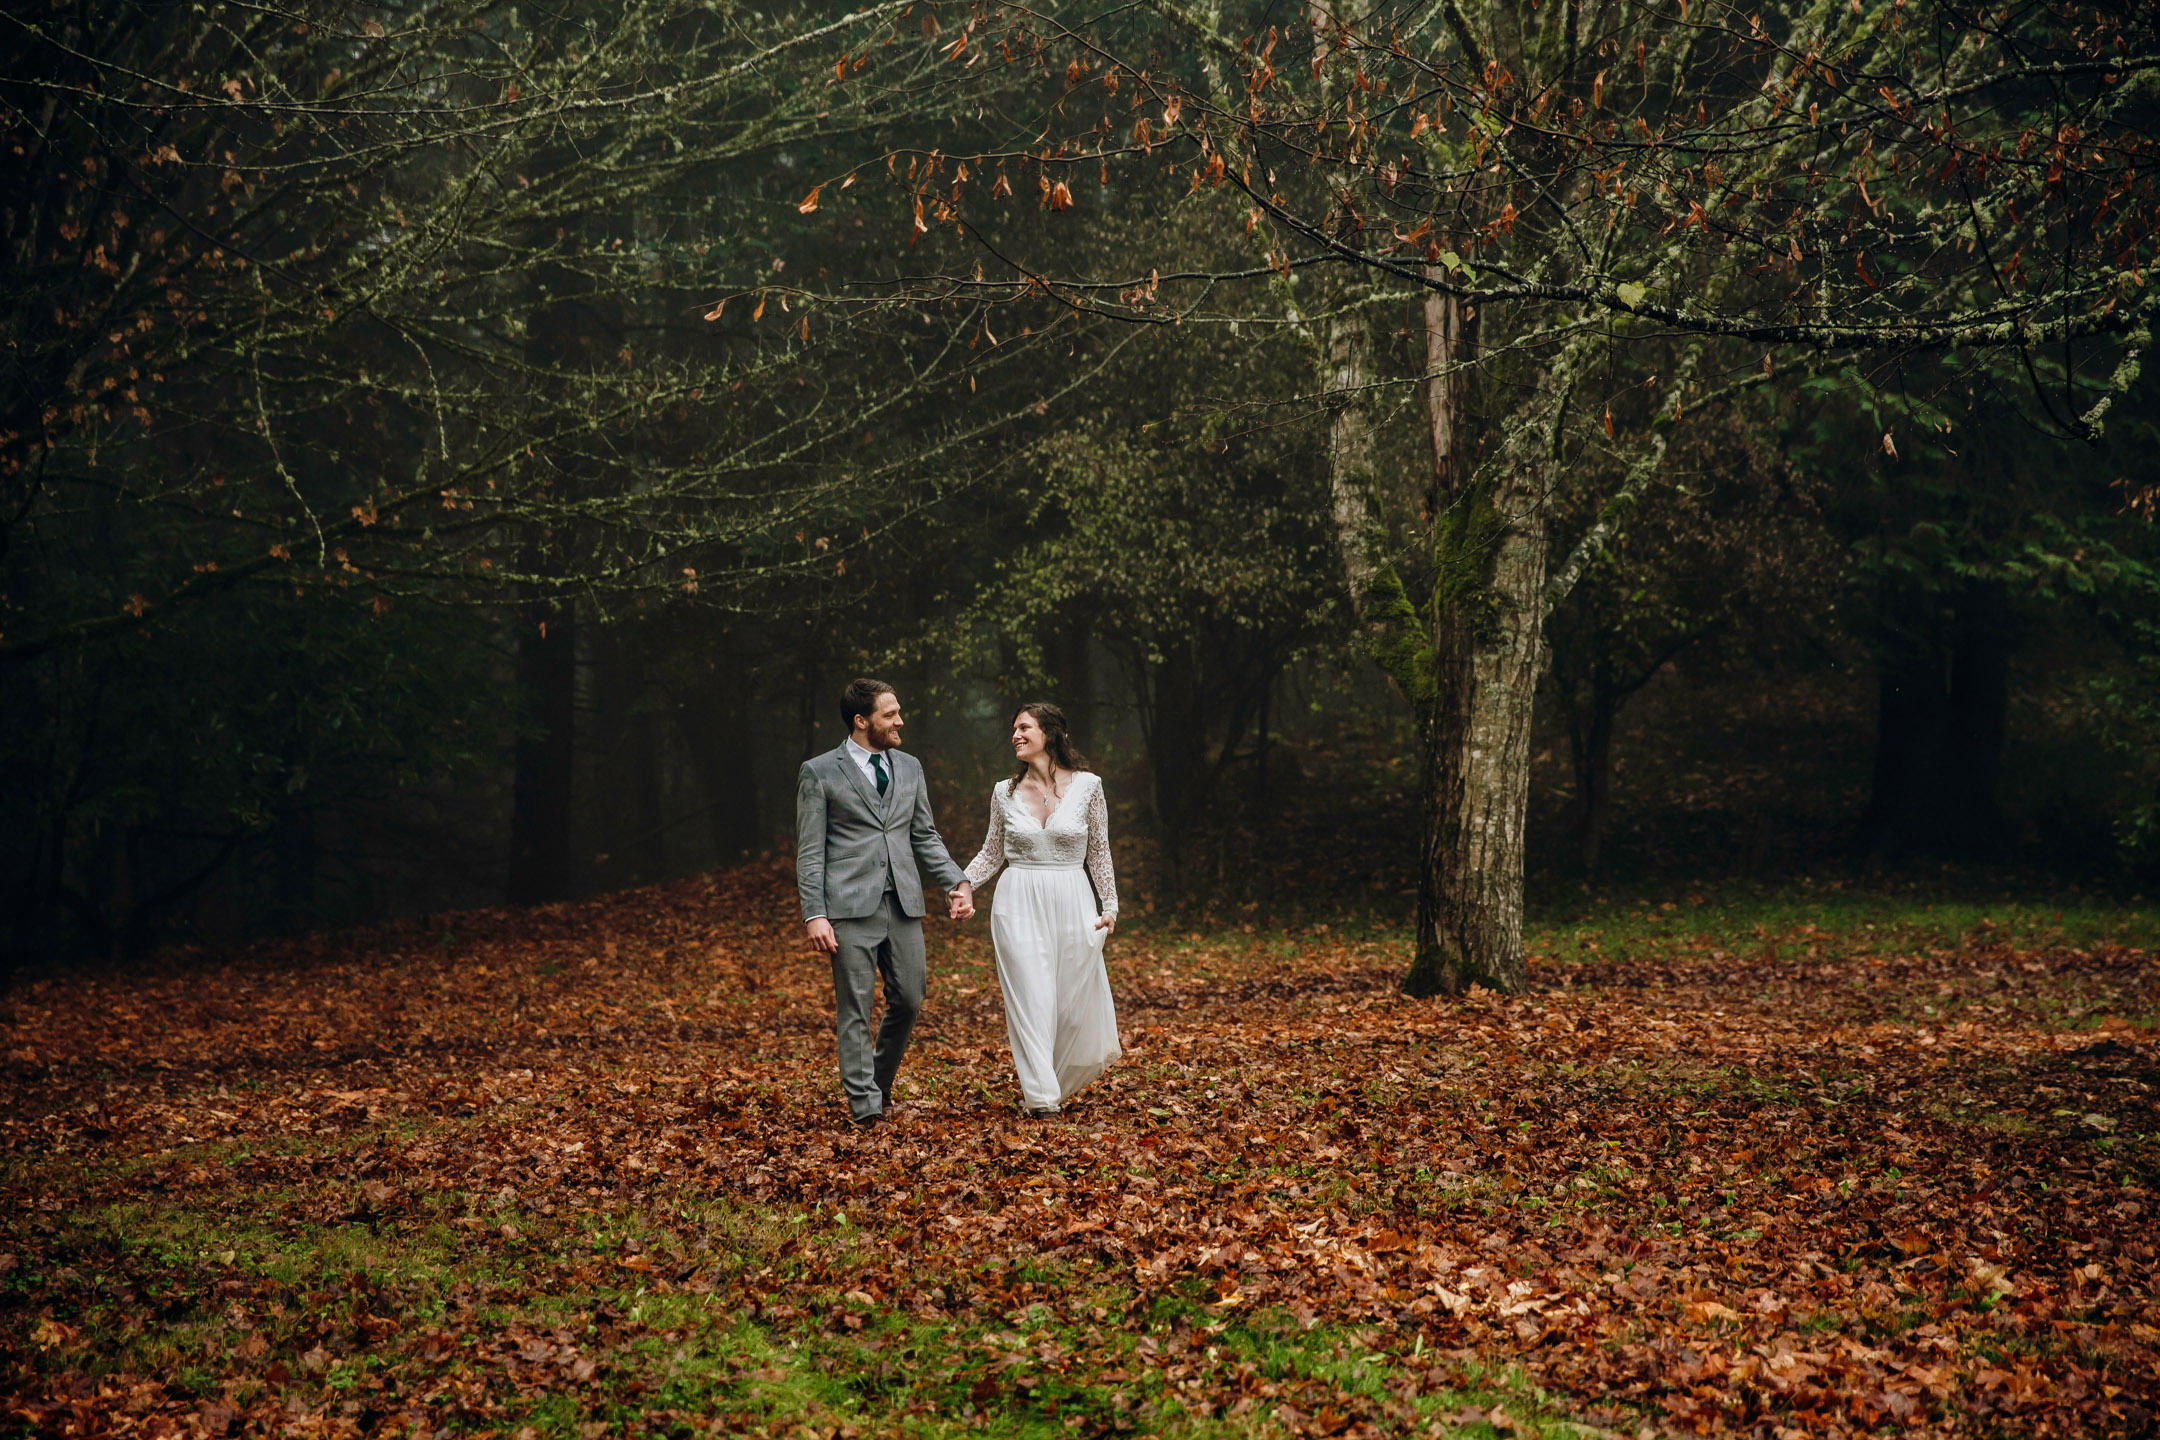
(541, 790)
(543, 781)
(1908, 706)
(1469, 664)
(633, 827)
(1444, 391)
(648, 847)
(1942, 719)
(714, 731)
(120, 892)
(1171, 729)
(810, 704)
(1073, 673)
(1477, 741)
(1977, 723)
(295, 857)
(1488, 635)
(1350, 449)
(1591, 740)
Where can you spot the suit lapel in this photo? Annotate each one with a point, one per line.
(863, 787)
(894, 804)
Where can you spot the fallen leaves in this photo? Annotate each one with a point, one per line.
(1707, 1191)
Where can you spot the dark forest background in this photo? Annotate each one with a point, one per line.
(467, 766)
(454, 455)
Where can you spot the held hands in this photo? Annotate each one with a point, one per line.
(961, 905)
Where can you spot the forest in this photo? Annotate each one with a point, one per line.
(1607, 553)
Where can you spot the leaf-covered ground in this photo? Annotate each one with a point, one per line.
(585, 1171)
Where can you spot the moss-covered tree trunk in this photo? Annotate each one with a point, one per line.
(1487, 627)
(1467, 660)
(1485, 659)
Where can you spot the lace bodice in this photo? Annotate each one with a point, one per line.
(1078, 833)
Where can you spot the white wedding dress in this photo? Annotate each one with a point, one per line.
(1058, 1012)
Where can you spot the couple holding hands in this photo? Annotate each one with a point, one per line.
(864, 838)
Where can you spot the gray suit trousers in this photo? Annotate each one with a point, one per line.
(888, 943)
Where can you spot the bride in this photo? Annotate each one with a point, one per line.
(1050, 826)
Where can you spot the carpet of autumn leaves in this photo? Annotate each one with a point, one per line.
(585, 1171)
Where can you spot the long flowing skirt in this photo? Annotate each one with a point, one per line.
(1058, 1012)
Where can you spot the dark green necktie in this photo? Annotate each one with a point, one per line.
(877, 763)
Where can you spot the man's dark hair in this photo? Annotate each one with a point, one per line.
(860, 698)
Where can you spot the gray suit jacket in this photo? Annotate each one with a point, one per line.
(851, 846)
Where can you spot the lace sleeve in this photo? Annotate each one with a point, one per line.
(991, 858)
(1098, 851)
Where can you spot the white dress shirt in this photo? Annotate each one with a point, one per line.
(860, 754)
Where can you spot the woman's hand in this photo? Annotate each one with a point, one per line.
(1106, 922)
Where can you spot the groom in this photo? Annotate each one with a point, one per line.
(862, 826)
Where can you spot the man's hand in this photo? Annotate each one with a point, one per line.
(822, 939)
(961, 902)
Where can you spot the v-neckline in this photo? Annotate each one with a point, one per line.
(1029, 810)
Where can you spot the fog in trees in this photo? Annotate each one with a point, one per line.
(452, 456)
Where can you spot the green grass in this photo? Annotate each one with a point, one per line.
(337, 1317)
(1756, 920)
